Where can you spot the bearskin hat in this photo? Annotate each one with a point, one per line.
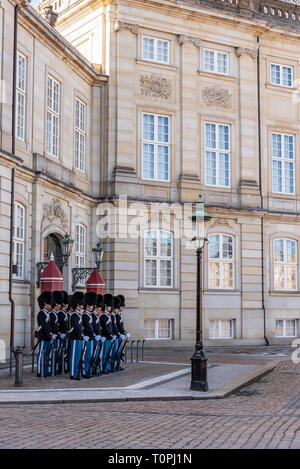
(45, 298)
(108, 299)
(90, 299)
(77, 299)
(66, 297)
(122, 300)
(116, 302)
(99, 301)
(58, 298)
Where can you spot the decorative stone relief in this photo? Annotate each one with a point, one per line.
(156, 86)
(134, 28)
(221, 222)
(182, 39)
(53, 211)
(245, 51)
(217, 96)
(50, 15)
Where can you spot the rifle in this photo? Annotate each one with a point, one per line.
(92, 361)
(97, 362)
(115, 355)
(48, 355)
(80, 363)
(59, 352)
(32, 355)
(120, 357)
(107, 357)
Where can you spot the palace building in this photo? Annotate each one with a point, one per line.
(156, 101)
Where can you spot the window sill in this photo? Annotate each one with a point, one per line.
(157, 64)
(281, 88)
(159, 290)
(284, 293)
(22, 282)
(228, 78)
(222, 292)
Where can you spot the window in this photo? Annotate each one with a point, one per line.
(215, 61)
(156, 147)
(80, 248)
(217, 155)
(53, 117)
(19, 240)
(220, 261)
(221, 329)
(283, 163)
(285, 328)
(157, 50)
(158, 258)
(285, 264)
(21, 96)
(80, 135)
(158, 328)
(281, 75)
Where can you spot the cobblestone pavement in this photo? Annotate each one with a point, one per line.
(263, 415)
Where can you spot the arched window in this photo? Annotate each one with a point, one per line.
(80, 248)
(220, 261)
(19, 240)
(158, 259)
(285, 264)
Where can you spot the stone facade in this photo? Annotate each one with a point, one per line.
(110, 36)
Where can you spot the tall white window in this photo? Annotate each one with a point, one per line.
(283, 163)
(217, 154)
(285, 328)
(285, 264)
(156, 147)
(19, 240)
(157, 50)
(220, 261)
(221, 328)
(21, 96)
(53, 117)
(215, 61)
(158, 328)
(80, 135)
(158, 259)
(281, 75)
(80, 248)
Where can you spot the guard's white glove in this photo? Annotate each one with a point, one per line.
(54, 336)
(97, 338)
(62, 336)
(114, 337)
(122, 336)
(103, 339)
(128, 335)
(86, 338)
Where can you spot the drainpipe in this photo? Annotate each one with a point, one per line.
(12, 311)
(261, 195)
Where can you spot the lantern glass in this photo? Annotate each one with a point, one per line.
(98, 252)
(200, 219)
(67, 244)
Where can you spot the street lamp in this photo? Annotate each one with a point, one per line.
(199, 361)
(98, 252)
(67, 244)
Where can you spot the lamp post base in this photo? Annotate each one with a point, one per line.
(199, 370)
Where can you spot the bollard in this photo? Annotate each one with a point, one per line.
(143, 349)
(18, 353)
(137, 350)
(131, 356)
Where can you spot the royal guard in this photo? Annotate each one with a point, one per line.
(90, 300)
(63, 327)
(76, 335)
(115, 347)
(58, 299)
(107, 332)
(98, 343)
(123, 335)
(43, 332)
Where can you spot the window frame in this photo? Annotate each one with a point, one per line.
(156, 327)
(80, 254)
(155, 48)
(21, 92)
(54, 115)
(21, 241)
(284, 327)
(220, 337)
(283, 160)
(159, 258)
(281, 75)
(284, 263)
(216, 52)
(156, 143)
(221, 261)
(217, 150)
(82, 133)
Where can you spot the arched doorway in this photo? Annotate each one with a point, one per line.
(52, 245)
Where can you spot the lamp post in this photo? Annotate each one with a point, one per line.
(199, 361)
(80, 273)
(98, 252)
